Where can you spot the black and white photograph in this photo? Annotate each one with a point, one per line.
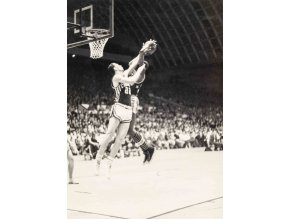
(145, 109)
(121, 109)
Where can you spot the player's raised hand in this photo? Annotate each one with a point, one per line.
(148, 45)
(153, 41)
(144, 47)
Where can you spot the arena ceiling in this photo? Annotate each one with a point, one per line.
(187, 31)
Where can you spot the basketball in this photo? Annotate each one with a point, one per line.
(152, 49)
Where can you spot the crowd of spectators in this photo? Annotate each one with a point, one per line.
(167, 123)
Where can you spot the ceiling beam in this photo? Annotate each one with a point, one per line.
(194, 31)
(202, 26)
(143, 27)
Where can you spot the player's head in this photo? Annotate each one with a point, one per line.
(114, 67)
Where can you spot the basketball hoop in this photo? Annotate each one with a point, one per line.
(97, 47)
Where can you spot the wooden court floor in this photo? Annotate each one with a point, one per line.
(181, 183)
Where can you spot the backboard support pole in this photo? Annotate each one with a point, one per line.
(112, 18)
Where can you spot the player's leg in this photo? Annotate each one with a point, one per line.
(131, 130)
(139, 139)
(95, 151)
(70, 160)
(112, 126)
(121, 134)
(90, 152)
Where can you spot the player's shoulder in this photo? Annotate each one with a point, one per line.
(116, 80)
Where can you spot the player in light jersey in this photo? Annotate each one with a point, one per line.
(121, 113)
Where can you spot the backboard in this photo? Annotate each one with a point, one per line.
(84, 16)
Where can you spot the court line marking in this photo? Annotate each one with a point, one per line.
(87, 212)
(168, 212)
(83, 192)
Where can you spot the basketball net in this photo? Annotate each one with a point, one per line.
(97, 48)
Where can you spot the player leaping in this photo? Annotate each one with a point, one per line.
(121, 113)
(139, 140)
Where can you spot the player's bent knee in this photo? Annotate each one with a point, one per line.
(119, 140)
(109, 135)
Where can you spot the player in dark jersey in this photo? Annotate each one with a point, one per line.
(121, 113)
(139, 140)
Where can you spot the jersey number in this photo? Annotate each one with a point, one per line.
(128, 90)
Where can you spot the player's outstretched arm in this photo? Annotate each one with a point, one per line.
(138, 60)
(129, 80)
(142, 70)
(132, 66)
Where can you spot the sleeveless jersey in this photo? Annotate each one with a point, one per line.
(135, 88)
(122, 94)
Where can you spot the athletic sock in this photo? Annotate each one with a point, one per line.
(98, 159)
(110, 161)
(140, 141)
(144, 146)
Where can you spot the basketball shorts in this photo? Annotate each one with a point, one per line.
(134, 104)
(122, 112)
